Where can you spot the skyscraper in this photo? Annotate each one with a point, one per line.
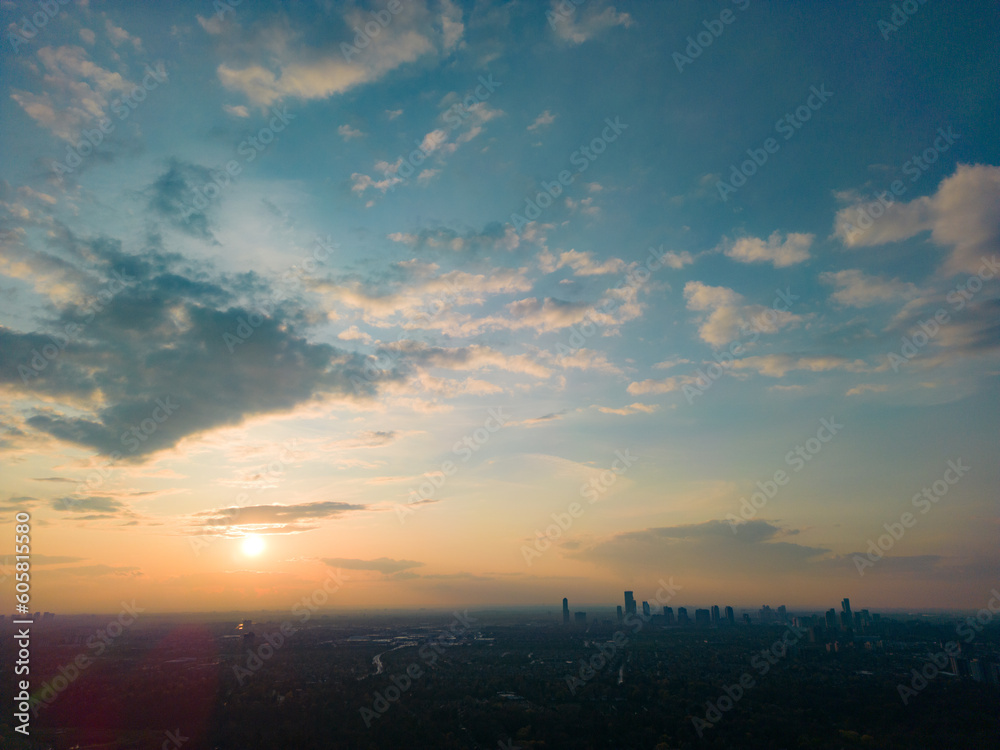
(682, 616)
(645, 610)
(629, 603)
(668, 615)
(730, 615)
(620, 614)
(831, 619)
(846, 604)
(715, 614)
(702, 617)
(565, 611)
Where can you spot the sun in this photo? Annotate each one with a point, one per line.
(253, 545)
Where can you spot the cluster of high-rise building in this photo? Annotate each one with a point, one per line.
(855, 622)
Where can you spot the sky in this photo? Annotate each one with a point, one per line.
(492, 303)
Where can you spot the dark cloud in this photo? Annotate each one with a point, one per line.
(172, 197)
(172, 355)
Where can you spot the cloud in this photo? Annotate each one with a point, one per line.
(156, 366)
(271, 519)
(582, 263)
(855, 289)
(347, 132)
(859, 390)
(381, 564)
(77, 92)
(781, 253)
(728, 315)
(577, 25)
(367, 439)
(119, 36)
(776, 365)
(172, 194)
(545, 118)
(625, 411)
(282, 65)
(657, 387)
(960, 215)
(711, 548)
(237, 111)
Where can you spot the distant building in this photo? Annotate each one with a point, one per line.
(702, 617)
(715, 615)
(565, 611)
(766, 615)
(831, 619)
(668, 615)
(629, 603)
(621, 617)
(782, 614)
(746, 618)
(645, 610)
(730, 615)
(682, 616)
(580, 618)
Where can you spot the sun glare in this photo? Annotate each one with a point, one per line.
(253, 545)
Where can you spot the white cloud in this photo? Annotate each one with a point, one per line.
(546, 118)
(236, 111)
(347, 132)
(776, 365)
(961, 215)
(288, 69)
(793, 249)
(119, 36)
(855, 289)
(78, 92)
(577, 25)
(728, 315)
(582, 263)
